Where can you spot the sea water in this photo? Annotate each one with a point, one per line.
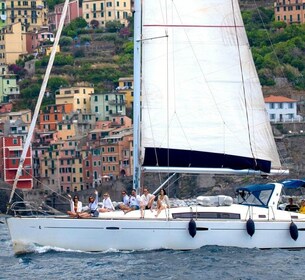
(209, 262)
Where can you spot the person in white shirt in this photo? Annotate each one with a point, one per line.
(92, 207)
(107, 204)
(75, 206)
(163, 202)
(134, 202)
(124, 205)
(147, 200)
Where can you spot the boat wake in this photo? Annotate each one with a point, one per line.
(37, 249)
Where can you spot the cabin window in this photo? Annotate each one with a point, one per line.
(206, 215)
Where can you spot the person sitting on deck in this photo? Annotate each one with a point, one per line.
(163, 202)
(291, 207)
(134, 202)
(107, 204)
(75, 206)
(147, 200)
(302, 208)
(124, 205)
(92, 208)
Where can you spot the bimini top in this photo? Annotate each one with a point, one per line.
(261, 194)
(256, 195)
(293, 183)
(255, 188)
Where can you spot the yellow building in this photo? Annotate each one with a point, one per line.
(61, 167)
(49, 50)
(103, 11)
(79, 96)
(126, 87)
(31, 14)
(12, 43)
(24, 115)
(65, 130)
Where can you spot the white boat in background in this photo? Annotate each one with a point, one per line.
(202, 111)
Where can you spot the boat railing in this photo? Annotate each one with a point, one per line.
(25, 208)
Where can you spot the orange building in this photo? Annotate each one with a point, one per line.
(10, 152)
(51, 115)
(289, 11)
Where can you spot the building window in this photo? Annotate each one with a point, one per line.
(272, 116)
(290, 105)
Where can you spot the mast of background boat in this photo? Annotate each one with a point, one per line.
(137, 94)
(39, 100)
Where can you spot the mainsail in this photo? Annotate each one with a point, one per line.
(202, 103)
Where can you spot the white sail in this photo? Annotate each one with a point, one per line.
(202, 103)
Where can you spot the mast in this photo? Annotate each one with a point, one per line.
(137, 94)
(39, 100)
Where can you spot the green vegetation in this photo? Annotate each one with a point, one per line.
(277, 49)
(98, 56)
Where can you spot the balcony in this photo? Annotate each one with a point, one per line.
(117, 102)
(13, 92)
(118, 113)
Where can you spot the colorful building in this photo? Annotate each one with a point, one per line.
(10, 151)
(126, 87)
(51, 115)
(108, 105)
(9, 89)
(12, 43)
(74, 11)
(101, 11)
(79, 96)
(31, 14)
(289, 11)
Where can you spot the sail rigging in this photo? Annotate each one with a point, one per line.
(40, 98)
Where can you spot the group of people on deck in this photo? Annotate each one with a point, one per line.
(144, 202)
(129, 203)
(92, 210)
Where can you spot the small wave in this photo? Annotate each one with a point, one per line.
(45, 249)
(37, 249)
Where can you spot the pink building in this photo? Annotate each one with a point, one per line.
(74, 11)
(35, 39)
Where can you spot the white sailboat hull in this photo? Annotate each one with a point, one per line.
(131, 233)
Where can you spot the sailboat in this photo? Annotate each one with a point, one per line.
(198, 109)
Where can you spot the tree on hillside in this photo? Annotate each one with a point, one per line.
(72, 28)
(52, 3)
(113, 26)
(278, 48)
(55, 83)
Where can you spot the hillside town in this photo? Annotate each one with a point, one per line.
(86, 137)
